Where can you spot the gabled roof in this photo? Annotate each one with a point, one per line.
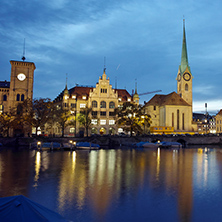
(122, 93)
(79, 91)
(170, 99)
(220, 112)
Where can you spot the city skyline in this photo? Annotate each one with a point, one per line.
(141, 41)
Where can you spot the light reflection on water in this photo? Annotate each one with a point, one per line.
(118, 185)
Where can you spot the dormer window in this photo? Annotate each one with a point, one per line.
(83, 97)
(73, 96)
(129, 99)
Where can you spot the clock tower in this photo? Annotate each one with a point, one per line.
(21, 84)
(184, 76)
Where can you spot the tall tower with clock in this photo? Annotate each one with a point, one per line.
(21, 84)
(184, 76)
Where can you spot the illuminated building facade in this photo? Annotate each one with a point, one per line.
(102, 99)
(17, 90)
(175, 109)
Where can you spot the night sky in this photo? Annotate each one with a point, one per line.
(141, 41)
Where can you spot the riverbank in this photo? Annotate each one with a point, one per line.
(107, 141)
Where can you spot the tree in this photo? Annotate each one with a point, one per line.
(37, 112)
(85, 119)
(132, 118)
(6, 122)
(61, 117)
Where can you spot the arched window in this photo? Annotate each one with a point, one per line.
(103, 104)
(5, 98)
(94, 104)
(18, 97)
(22, 97)
(111, 105)
(186, 87)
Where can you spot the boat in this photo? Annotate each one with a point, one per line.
(23, 209)
(170, 145)
(87, 146)
(150, 145)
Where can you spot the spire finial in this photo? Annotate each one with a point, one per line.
(135, 86)
(66, 80)
(23, 57)
(104, 70)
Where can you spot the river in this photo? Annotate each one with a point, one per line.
(118, 184)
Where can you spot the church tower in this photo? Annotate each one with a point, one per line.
(184, 76)
(21, 84)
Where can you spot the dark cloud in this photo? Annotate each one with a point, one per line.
(143, 38)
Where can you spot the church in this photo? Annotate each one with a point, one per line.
(173, 112)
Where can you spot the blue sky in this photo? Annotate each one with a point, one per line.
(140, 39)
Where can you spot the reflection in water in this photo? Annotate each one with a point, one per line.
(115, 185)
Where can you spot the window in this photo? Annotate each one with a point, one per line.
(111, 122)
(73, 105)
(102, 113)
(183, 121)
(82, 105)
(178, 120)
(94, 113)
(83, 97)
(94, 121)
(65, 104)
(186, 87)
(102, 122)
(111, 105)
(111, 113)
(172, 119)
(103, 90)
(18, 97)
(5, 98)
(154, 107)
(103, 104)
(94, 104)
(129, 99)
(22, 97)
(72, 130)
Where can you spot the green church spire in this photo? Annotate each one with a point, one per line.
(184, 57)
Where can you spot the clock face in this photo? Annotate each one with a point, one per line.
(179, 77)
(186, 76)
(21, 76)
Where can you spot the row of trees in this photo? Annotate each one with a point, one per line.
(39, 112)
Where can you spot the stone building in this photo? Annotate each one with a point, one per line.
(103, 99)
(17, 90)
(175, 109)
(218, 121)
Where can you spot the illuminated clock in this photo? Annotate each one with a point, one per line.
(186, 76)
(21, 76)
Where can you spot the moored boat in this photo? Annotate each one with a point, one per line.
(87, 146)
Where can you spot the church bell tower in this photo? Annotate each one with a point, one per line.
(184, 76)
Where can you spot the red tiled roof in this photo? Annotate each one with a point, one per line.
(122, 93)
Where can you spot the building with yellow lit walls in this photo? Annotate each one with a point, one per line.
(103, 99)
(175, 109)
(17, 90)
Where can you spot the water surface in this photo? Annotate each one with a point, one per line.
(118, 185)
